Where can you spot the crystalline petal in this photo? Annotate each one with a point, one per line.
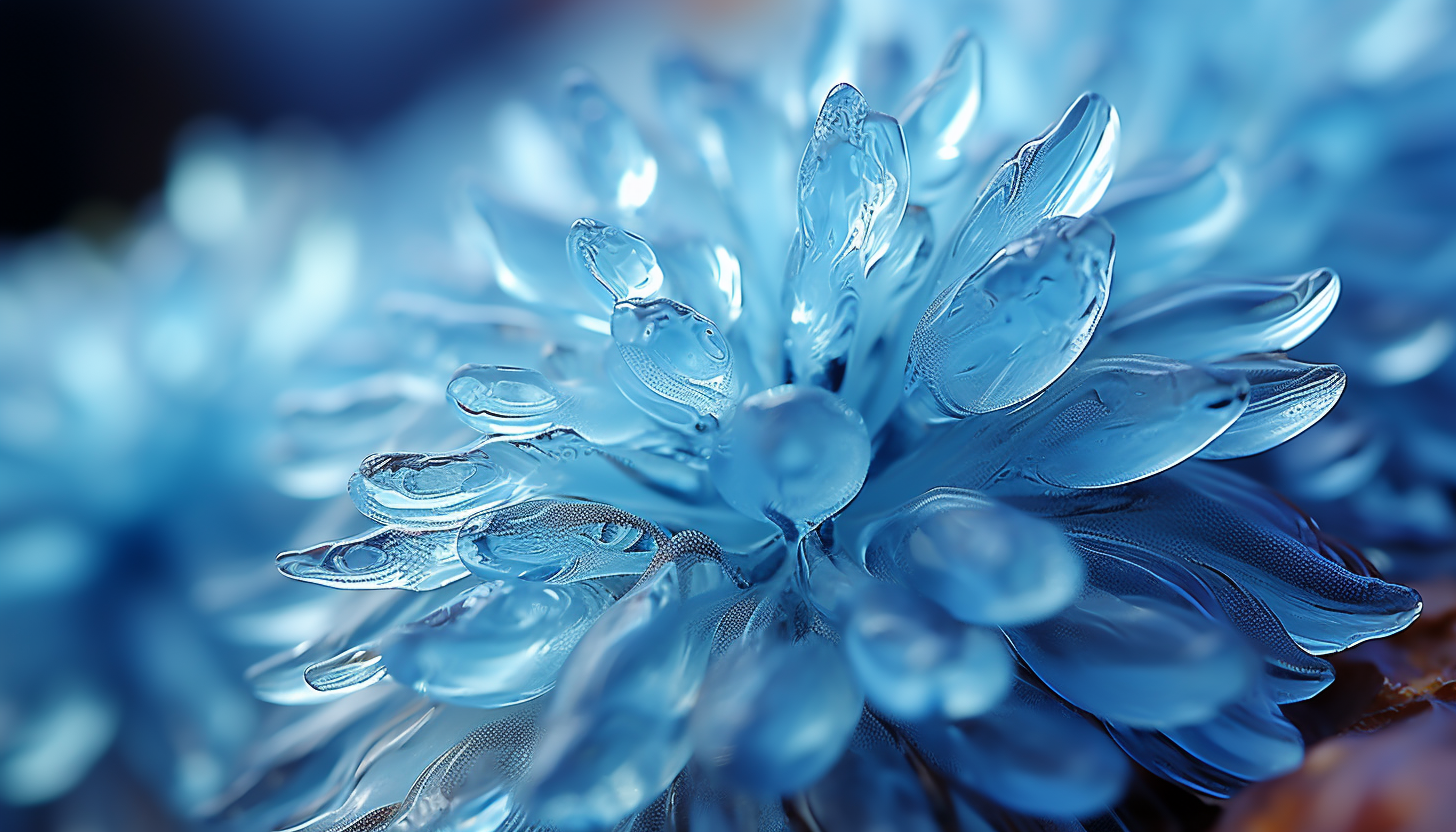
(1212, 320)
(1031, 754)
(1285, 398)
(1062, 172)
(1171, 222)
(558, 541)
(774, 716)
(1135, 649)
(495, 644)
(616, 163)
(1248, 741)
(1001, 335)
(1290, 673)
(853, 187)
(940, 112)
(615, 734)
(387, 558)
(1219, 520)
(984, 562)
(1118, 420)
(915, 661)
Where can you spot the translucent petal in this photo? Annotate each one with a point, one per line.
(617, 165)
(525, 251)
(1001, 335)
(440, 490)
(1062, 172)
(706, 276)
(615, 733)
(675, 363)
(387, 558)
(1216, 519)
(853, 186)
(894, 296)
(496, 644)
(1172, 221)
(773, 716)
(1118, 420)
(558, 541)
(915, 661)
(940, 112)
(1031, 754)
(795, 455)
(1135, 649)
(984, 562)
(744, 146)
(1212, 320)
(1285, 398)
(872, 789)
(605, 256)
(1290, 674)
(1249, 741)
(358, 627)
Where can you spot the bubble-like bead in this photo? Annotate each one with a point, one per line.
(440, 490)
(510, 401)
(605, 256)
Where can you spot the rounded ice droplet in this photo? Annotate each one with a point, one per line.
(915, 661)
(795, 455)
(619, 260)
(511, 401)
(773, 717)
(496, 644)
(984, 562)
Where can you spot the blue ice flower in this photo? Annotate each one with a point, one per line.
(738, 540)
